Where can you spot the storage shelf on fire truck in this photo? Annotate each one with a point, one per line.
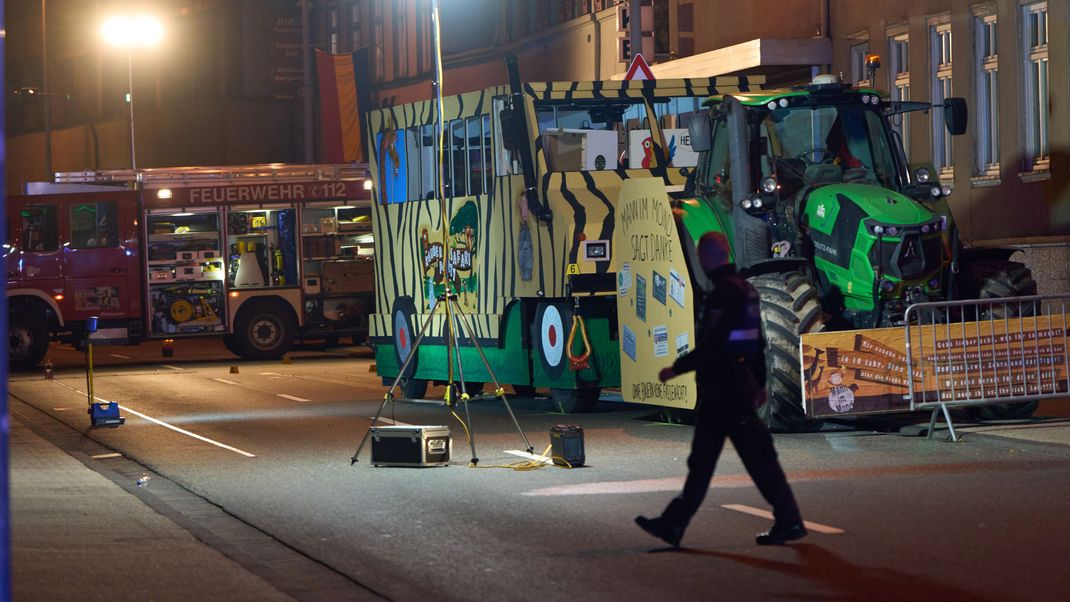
(265, 254)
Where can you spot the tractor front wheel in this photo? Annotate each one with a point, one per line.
(790, 308)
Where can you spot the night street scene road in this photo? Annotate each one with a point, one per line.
(464, 300)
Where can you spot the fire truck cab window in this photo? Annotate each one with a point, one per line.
(40, 228)
(94, 225)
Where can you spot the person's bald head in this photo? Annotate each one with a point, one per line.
(714, 251)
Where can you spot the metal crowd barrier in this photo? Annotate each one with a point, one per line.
(993, 351)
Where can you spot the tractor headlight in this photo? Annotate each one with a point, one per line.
(945, 190)
(757, 204)
(921, 175)
(769, 185)
(745, 203)
(935, 192)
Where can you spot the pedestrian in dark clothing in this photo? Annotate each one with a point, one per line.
(730, 370)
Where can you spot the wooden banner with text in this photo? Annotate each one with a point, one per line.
(865, 371)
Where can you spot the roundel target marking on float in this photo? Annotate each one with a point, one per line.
(402, 336)
(551, 338)
(404, 311)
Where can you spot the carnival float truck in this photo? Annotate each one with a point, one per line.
(570, 216)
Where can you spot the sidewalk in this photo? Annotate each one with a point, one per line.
(76, 535)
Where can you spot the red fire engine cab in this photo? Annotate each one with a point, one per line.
(264, 255)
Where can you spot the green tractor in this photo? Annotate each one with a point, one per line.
(831, 224)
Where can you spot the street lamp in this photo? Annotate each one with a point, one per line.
(32, 92)
(132, 32)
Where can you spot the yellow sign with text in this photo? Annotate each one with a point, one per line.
(655, 296)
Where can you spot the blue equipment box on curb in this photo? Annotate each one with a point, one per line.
(411, 445)
(105, 414)
(566, 442)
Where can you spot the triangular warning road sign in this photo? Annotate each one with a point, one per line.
(639, 69)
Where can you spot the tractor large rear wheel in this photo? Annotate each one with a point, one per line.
(790, 308)
(1001, 279)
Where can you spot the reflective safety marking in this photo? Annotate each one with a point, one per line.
(122, 357)
(126, 408)
(767, 514)
(225, 381)
(106, 456)
(748, 334)
(292, 397)
(524, 454)
(176, 368)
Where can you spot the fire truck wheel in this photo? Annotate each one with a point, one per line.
(265, 331)
(790, 308)
(574, 401)
(998, 279)
(27, 340)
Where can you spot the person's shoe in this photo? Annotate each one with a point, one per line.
(661, 529)
(781, 534)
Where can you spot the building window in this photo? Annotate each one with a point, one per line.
(356, 25)
(986, 59)
(401, 37)
(859, 51)
(424, 41)
(899, 72)
(1035, 40)
(940, 67)
(332, 18)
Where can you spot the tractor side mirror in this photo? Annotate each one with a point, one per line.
(698, 129)
(955, 115)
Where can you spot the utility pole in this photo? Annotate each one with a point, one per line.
(306, 88)
(46, 106)
(635, 28)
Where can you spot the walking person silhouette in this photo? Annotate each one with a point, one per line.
(730, 370)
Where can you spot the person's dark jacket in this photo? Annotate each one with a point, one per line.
(728, 357)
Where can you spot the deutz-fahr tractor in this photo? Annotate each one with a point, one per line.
(831, 224)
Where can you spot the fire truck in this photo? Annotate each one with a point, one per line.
(262, 255)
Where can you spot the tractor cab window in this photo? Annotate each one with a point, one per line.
(834, 143)
(714, 164)
(39, 228)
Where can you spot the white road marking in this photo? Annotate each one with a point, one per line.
(225, 381)
(524, 454)
(291, 397)
(122, 357)
(169, 367)
(164, 424)
(106, 456)
(61, 409)
(769, 515)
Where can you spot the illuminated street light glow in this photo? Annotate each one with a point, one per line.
(132, 31)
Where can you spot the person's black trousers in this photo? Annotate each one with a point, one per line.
(755, 446)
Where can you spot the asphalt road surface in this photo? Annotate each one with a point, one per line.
(267, 445)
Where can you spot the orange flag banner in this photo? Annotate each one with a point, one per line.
(339, 108)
